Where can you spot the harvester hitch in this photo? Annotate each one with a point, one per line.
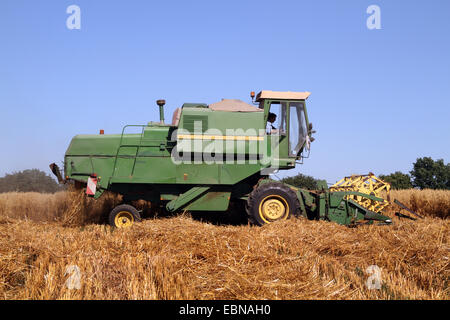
(338, 206)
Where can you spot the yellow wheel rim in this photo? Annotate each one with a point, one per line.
(124, 219)
(272, 208)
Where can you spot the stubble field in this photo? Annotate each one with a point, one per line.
(53, 247)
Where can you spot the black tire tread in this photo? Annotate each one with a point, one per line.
(124, 207)
(259, 189)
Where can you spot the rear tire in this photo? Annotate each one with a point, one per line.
(124, 216)
(270, 202)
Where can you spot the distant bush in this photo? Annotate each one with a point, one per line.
(398, 180)
(33, 180)
(430, 174)
(302, 181)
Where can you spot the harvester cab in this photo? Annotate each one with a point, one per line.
(209, 156)
(291, 126)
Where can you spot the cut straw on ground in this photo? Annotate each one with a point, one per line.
(42, 238)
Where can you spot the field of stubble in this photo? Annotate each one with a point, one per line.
(53, 247)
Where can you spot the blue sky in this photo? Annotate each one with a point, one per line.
(380, 98)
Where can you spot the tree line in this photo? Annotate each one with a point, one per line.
(426, 174)
(32, 180)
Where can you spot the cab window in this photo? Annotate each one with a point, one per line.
(277, 119)
(297, 127)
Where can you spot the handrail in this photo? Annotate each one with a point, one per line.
(120, 145)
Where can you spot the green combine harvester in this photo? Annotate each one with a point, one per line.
(209, 156)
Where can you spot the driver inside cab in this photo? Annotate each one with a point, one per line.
(270, 129)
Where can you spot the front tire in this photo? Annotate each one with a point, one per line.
(124, 216)
(270, 202)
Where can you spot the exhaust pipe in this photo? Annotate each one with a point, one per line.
(161, 104)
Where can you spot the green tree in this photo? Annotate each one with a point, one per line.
(301, 181)
(398, 180)
(430, 174)
(32, 180)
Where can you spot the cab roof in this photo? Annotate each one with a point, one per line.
(287, 95)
